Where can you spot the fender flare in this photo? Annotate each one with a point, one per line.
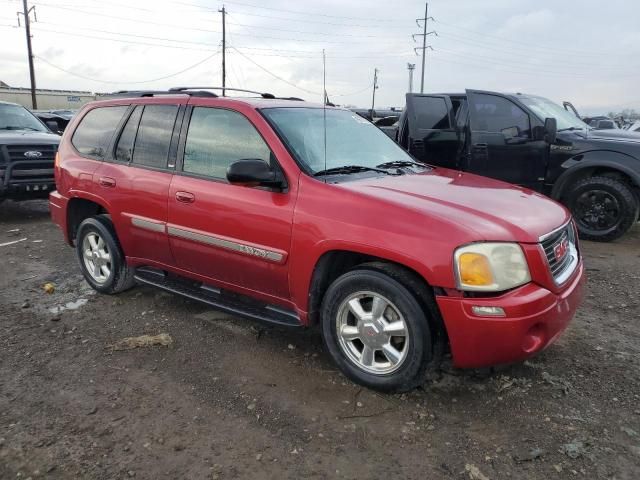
(574, 166)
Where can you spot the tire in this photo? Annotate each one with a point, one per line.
(413, 345)
(604, 208)
(97, 246)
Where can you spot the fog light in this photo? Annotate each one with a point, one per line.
(488, 311)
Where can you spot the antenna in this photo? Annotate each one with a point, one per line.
(324, 108)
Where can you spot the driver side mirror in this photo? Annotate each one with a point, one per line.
(550, 130)
(52, 125)
(253, 172)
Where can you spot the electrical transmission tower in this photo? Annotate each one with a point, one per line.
(424, 35)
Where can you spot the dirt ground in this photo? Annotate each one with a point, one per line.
(237, 399)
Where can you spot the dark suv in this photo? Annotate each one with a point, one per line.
(27, 151)
(295, 214)
(531, 141)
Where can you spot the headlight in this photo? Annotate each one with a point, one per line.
(490, 267)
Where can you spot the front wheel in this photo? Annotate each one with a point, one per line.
(376, 331)
(604, 208)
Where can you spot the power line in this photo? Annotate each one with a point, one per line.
(117, 17)
(500, 48)
(273, 74)
(526, 44)
(133, 42)
(209, 57)
(297, 12)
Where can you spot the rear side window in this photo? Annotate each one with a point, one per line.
(432, 113)
(217, 138)
(154, 135)
(124, 150)
(93, 135)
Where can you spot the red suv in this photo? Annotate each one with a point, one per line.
(299, 214)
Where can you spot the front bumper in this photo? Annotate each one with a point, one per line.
(534, 318)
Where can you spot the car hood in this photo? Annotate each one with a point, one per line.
(21, 137)
(626, 135)
(485, 209)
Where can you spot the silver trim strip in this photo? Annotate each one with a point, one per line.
(154, 226)
(553, 232)
(226, 244)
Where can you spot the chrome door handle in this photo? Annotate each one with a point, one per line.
(185, 197)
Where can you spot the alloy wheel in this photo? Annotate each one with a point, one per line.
(372, 332)
(96, 256)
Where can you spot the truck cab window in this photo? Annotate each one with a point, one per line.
(499, 115)
(432, 113)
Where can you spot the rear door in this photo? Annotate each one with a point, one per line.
(137, 176)
(501, 144)
(428, 131)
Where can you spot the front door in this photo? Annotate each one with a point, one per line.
(429, 129)
(501, 143)
(237, 236)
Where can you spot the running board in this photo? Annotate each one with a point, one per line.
(219, 299)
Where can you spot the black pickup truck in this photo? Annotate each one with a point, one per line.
(531, 141)
(27, 151)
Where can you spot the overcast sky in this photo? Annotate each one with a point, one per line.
(585, 51)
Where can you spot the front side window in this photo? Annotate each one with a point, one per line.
(16, 117)
(499, 115)
(340, 137)
(217, 138)
(96, 128)
(154, 135)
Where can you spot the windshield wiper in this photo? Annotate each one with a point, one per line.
(570, 129)
(13, 127)
(401, 163)
(347, 169)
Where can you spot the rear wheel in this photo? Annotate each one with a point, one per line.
(376, 331)
(101, 259)
(604, 208)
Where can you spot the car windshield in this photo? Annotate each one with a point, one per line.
(16, 117)
(545, 108)
(350, 139)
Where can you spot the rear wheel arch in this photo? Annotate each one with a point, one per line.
(79, 209)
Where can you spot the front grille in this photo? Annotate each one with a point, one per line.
(16, 152)
(561, 251)
(20, 169)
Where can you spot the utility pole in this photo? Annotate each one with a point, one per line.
(375, 86)
(411, 67)
(224, 49)
(27, 24)
(424, 40)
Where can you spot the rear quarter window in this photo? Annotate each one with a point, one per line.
(93, 134)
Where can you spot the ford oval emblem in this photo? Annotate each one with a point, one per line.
(33, 154)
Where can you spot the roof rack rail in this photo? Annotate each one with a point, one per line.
(184, 89)
(153, 93)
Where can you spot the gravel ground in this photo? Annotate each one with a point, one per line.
(232, 398)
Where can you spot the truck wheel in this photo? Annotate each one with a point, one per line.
(101, 259)
(604, 208)
(376, 331)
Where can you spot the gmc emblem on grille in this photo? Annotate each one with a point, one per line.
(32, 154)
(561, 249)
